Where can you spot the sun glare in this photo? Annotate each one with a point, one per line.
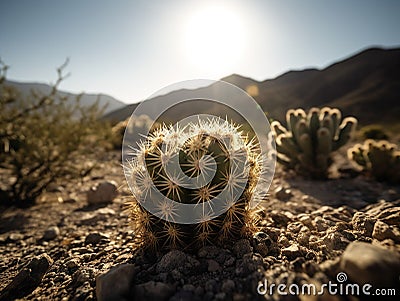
(213, 38)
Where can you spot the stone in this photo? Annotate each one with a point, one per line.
(116, 283)
(383, 231)
(153, 291)
(283, 194)
(367, 263)
(171, 261)
(292, 252)
(363, 223)
(95, 238)
(261, 242)
(228, 286)
(72, 264)
(213, 266)
(390, 216)
(15, 237)
(51, 233)
(28, 279)
(242, 247)
(102, 193)
(321, 224)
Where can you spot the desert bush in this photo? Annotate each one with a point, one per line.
(233, 184)
(306, 145)
(379, 159)
(137, 124)
(43, 138)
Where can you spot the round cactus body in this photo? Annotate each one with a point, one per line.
(208, 168)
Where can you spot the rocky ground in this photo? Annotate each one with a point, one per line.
(316, 232)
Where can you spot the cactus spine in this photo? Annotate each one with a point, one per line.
(307, 143)
(379, 159)
(198, 147)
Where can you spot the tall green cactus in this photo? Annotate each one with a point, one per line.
(379, 159)
(310, 138)
(198, 147)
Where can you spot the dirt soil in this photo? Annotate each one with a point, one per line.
(308, 225)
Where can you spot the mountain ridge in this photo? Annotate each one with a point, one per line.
(25, 88)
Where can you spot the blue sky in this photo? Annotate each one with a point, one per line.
(131, 49)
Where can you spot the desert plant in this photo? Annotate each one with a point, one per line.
(137, 123)
(44, 138)
(379, 159)
(307, 143)
(197, 147)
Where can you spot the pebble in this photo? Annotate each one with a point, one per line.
(363, 223)
(95, 238)
(213, 266)
(242, 247)
(283, 194)
(102, 193)
(383, 231)
(292, 252)
(51, 233)
(367, 263)
(261, 242)
(16, 237)
(116, 283)
(228, 286)
(171, 261)
(27, 280)
(390, 216)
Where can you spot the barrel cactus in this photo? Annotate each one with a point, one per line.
(310, 138)
(379, 159)
(196, 164)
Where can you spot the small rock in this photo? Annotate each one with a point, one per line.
(27, 280)
(292, 252)
(213, 266)
(366, 263)
(363, 223)
(101, 193)
(72, 264)
(211, 285)
(116, 283)
(171, 261)
(261, 242)
(242, 247)
(153, 291)
(51, 233)
(95, 238)
(16, 237)
(321, 224)
(228, 286)
(383, 231)
(283, 194)
(390, 216)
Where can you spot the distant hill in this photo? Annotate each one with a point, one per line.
(25, 89)
(366, 85)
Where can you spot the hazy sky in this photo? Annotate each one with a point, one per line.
(131, 49)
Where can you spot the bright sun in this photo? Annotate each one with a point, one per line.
(213, 38)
